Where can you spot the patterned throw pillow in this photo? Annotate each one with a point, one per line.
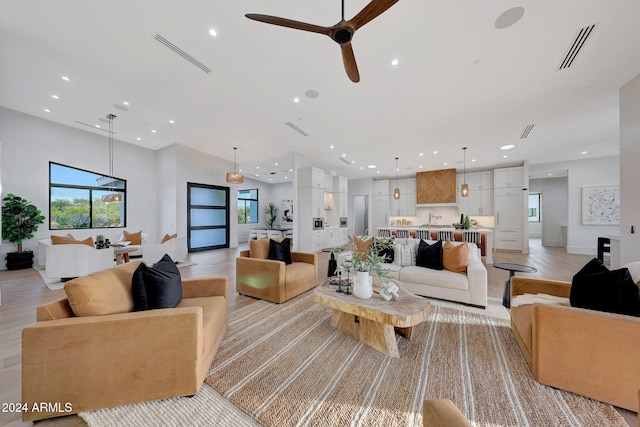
(404, 254)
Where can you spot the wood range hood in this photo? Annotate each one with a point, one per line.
(436, 188)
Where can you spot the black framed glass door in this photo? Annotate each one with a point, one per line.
(207, 217)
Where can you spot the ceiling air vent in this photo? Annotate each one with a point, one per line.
(345, 160)
(576, 46)
(527, 130)
(297, 129)
(182, 53)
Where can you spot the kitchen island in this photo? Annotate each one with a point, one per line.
(486, 235)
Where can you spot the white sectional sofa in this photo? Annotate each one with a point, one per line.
(75, 260)
(470, 288)
(176, 248)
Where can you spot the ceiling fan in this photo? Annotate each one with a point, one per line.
(341, 33)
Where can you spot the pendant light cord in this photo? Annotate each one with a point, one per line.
(111, 117)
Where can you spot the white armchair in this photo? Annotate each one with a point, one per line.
(75, 260)
(176, 248)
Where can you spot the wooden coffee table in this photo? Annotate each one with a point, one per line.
(122, 254)
(374, 321)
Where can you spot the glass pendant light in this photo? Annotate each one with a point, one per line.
(396, 191)
(115, 196)
(464, 189)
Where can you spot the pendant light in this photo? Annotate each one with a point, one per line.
(235, 177)
(464, 189)
(396, 191)
(115, 196)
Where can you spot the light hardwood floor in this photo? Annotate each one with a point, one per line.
(24, 290)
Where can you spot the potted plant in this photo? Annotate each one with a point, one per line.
(271, 214)
(367, 262)
(20, 219)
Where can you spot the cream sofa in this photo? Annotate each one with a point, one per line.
(470, 288)
(114, 356)
(139, 249)
(176, 248)
(75, 260)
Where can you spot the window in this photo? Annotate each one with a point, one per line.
(83, 199)
(247, 206)
(535, 203)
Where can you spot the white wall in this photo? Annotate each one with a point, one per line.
(29, 143)
(555, 210)
(604, 171)
(630, 170)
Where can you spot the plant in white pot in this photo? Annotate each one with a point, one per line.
(20, 219)
(366, 262)
(271, 214)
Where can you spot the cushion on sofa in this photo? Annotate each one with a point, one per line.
(363, 246)
(158, 286)
(427, 276)
(102, 292)
(167, 237)
(596, 288)
(429, 255)
(403, 253)
(280, 250)
(455, 257)
(69, 240)
(134, 238)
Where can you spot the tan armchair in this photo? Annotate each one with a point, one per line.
(587, 352)
(259, 277)
(100, 361)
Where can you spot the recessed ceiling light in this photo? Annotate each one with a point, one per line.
(153, 131)
(276, 163)
(331, 146)
(549, 174)
(371, 166)
(65, 78)
(55, 96)
(361, 167)
(509, 17)
(507, 147)
(290, 170)
(171, 121)
(257, 167)
(473, 160)
(213, 32)
(353, 162)
(505, 156)
(420, 167)
(421, 154)
(394, 62)
(125, 103)
(47, 110)
(286, 177)
(139, 139)
(377, 171)
(445, 163)
(98, 126)
(584, 152)
(344, 155)
(296, 100)
(435, 152)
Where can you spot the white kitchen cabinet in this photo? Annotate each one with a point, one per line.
(508, 218)
(480, 199)
(340, 184)
(344, 236)
(381, 187)
(406, 204)
(328, 183)
(508, 177)
(381, 212)
(343, 204)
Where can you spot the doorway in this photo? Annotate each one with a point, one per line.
(360, 215)
(207, 217)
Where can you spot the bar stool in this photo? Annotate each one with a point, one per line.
(274, 234)
(471, 237)
(402, 234)
(262, 234)
(385, 232)
(423, 234)
(445, 235)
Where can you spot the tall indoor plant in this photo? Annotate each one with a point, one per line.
(271, 214)
(20, 219)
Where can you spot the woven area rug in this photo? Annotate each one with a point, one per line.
(284, 365)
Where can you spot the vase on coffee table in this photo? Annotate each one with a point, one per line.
(363, 285)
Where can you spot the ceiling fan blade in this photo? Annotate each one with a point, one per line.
(349, 60)
(289, 23)
(371, 11)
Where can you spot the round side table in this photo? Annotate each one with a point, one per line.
(512, 268)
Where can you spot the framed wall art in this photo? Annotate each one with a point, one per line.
(601, 205)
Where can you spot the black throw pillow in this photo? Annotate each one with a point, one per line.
(386, 252)
(280, 251)
(429, 256)
(158, 286)
(596, 288)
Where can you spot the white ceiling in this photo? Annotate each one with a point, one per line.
(460, 81)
